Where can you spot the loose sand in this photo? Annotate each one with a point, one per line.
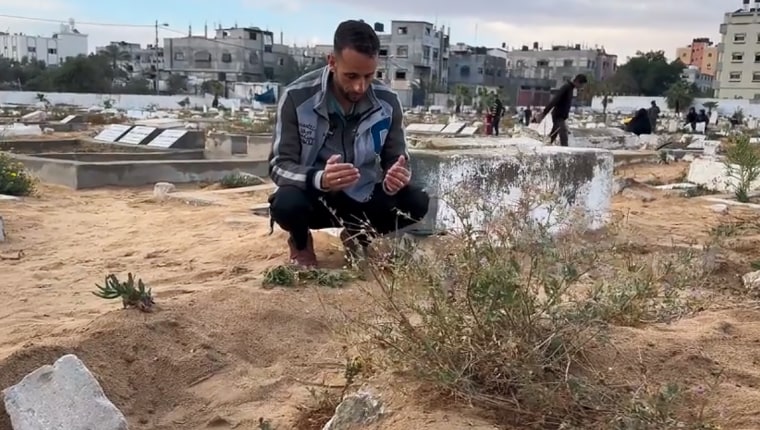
(222, 351)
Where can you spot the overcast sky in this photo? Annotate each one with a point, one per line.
(622, 27)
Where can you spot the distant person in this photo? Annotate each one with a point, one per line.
(641, 123)
(654, 115)
(339, 154)
(528, 115)
(497, 111)
(702, 117)
(691, 119)
(560, 106)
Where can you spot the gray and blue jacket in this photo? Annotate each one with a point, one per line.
(310, 127)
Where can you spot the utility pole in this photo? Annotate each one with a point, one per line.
(155, 49)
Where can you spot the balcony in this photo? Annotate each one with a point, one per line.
(723, 29)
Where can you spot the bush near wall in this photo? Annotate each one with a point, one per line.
(14, 179)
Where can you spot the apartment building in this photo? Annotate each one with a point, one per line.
(476, 66)
(135, 59)
(246, 54)
(738, 71)
(700, 53)
(561, 63)
(310, 55)
(413, 55)
(53, 50)
(705, 83)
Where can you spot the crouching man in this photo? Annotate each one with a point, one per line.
(339, 154)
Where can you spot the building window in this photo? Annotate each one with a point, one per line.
(755, 76)
(464, 71)
(253, 58)
(179, 56)
(379, 74)
(281, 61)
(52, 51)
(569, 63)
(735, 76)
(426, 52)
(757, 57)
(226, 57)
(709, 54)
(740, 37)
(427, 31)
(32, 49)
(383, 51)
(401, 30)
(480, 70)
(542, 63)
(737, 57)
(401, 75)
(402, 51)
(202, 57)
(435, 54)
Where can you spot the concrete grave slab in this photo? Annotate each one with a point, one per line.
(468, 131)
(711, 174)
(139, 135)
(112, 133)
(497, 177)
(63, 396)
(453, 128)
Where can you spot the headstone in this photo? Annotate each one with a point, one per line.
(701, 127)
(62, 396)
(468, 131)
(672, 126)
(167, 138)
(36, 116)
(68, 119)
(714, 117)
(112, 132)
(178, 139)
(453, 128)
(138, 135)
(752, 123)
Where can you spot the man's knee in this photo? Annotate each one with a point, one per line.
(414, 201)
(288, 204)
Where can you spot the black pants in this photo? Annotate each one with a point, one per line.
(495, 126)
(297, 211)
(559, 128)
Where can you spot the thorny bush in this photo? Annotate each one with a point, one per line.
(503, 315)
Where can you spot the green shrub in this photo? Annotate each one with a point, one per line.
(14, 179)
(506, 318)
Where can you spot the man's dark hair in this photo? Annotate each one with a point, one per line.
(356, 35)
(580, 78)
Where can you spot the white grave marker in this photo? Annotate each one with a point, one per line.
(167, 138)
(112, 132)
(137, 135)
(68, 119)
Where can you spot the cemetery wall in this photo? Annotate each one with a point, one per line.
(627, 104)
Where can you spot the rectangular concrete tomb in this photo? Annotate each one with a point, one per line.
(112, 133)
(139, 135)
(483, 184)
(167, 138)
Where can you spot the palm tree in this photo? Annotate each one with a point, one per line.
(115, 54)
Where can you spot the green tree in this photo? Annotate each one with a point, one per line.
(177, 84)
(681, 94)
(648, 74)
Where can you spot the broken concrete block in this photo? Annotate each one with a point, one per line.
(751, 280)
(162, 189)
(62, 396)
(357, 409)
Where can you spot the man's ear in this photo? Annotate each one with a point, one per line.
(331, 60)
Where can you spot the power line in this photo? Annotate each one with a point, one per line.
(96, 24)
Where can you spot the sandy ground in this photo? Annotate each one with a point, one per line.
(222, 351)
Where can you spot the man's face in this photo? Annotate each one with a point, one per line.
(353, 73)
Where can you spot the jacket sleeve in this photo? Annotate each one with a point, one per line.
(395, 142)
(285, 167)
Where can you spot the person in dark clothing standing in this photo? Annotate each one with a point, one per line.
(497, 111)
(560, 106)
(691, 119)
(528, 115)
(641, 123)
(654, 115)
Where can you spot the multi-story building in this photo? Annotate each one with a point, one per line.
(738, 71)
(475, 66)
(701, 53)
(310, 55)
(234, 54)
(134, 59)
(413, 55)
(561, 63)
(705, 82)
(53, 50)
